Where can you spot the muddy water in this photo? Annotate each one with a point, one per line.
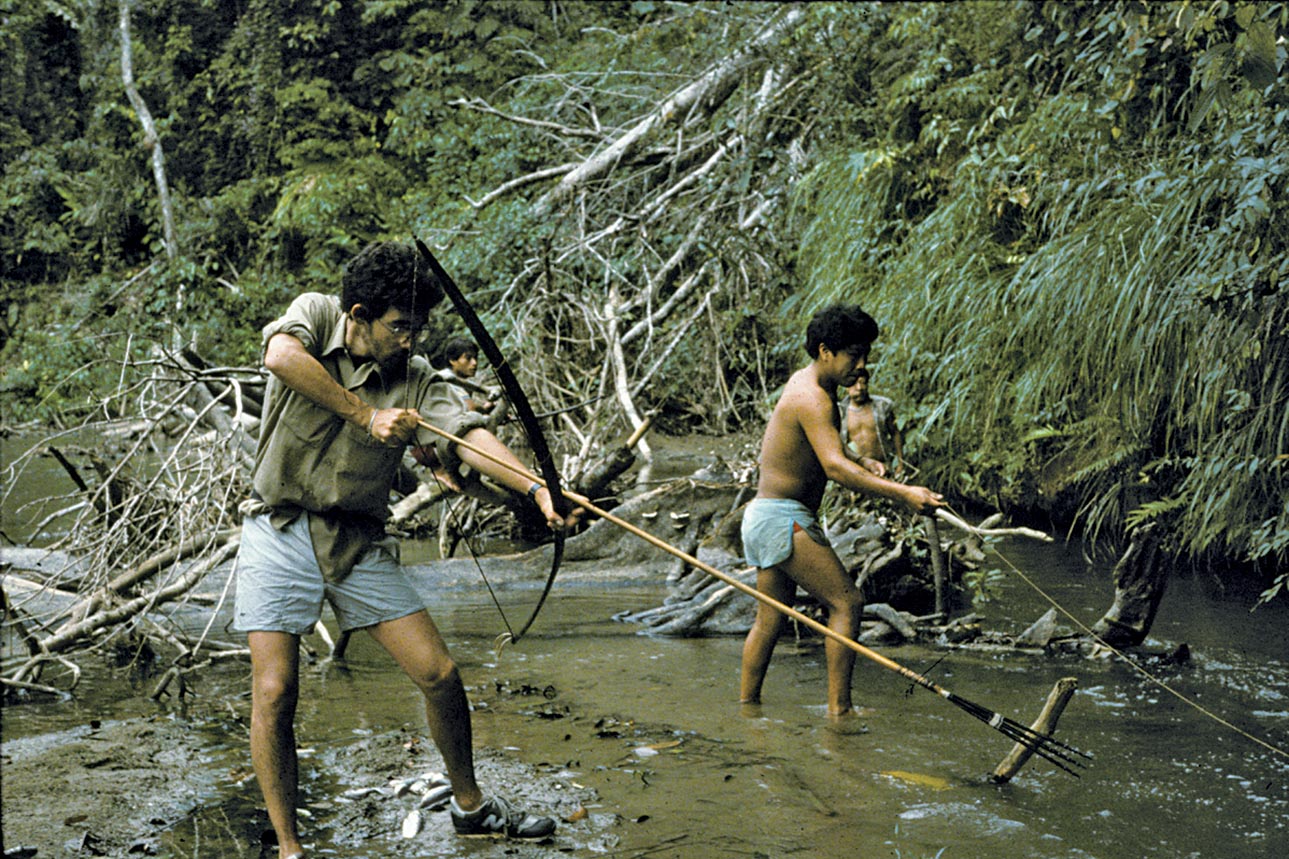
(777, 781)
(651, 726)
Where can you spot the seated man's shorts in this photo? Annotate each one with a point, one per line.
(280, 587)
(768, 524)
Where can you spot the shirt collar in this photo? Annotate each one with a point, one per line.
(352, 375)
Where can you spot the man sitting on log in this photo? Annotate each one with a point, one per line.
(800, 452)
(461, 358)
(343, 402)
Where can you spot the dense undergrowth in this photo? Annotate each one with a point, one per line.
(1069, 218)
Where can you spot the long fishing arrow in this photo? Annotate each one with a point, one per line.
(1063, 756)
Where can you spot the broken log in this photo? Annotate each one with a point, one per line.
(945, 516)
(1140, 578)
(595, 483)
(1045, 724)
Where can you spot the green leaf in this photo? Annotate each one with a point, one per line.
(1042, 433)
(1259, 65)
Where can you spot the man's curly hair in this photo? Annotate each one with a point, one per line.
(841, 327)
(390, 274)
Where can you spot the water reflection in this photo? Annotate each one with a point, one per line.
(653, 727)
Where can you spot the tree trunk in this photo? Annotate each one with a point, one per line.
(1140, 578)
(153, 143)
(710, 90)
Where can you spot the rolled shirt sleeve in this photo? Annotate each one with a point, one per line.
(310, 459)
(443, 405)
(314, 319)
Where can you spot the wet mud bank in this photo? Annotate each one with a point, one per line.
(168, 786)
(109, 788)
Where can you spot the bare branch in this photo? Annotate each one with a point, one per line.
(710, 90)
(554, 127)
(520, 182)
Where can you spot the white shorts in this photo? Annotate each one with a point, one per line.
(280, 587)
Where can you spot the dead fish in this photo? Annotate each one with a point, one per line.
(360, 792)
(401, 786)
(412, 824)
(436, 798)
(931, 781)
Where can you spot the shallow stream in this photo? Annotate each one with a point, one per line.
(652, 726)
(691, 773)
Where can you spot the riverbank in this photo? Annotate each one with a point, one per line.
(136, 786)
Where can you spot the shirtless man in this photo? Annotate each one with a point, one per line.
(800, 453)
(868, 429)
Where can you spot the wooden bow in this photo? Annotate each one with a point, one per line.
(523, 411)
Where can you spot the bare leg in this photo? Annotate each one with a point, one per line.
(817, 569)
(275, 689)
(417, 647)
(764, 634)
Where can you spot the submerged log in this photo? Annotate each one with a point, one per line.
(1040, 632)
(1140, 578)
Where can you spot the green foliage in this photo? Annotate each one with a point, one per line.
(984, 586)
(1072, 286)
(1068, 217)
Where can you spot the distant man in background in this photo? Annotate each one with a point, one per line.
(461, 357)
(800, 452)
(868, 428)
(344, 400)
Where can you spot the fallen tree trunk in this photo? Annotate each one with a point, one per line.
(150, 567)
(71, 635)
(1140, 579)
(709, 90)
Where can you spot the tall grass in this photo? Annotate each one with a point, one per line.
(1129, 349)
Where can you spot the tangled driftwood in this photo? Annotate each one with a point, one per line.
(153, 511)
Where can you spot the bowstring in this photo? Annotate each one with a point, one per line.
(505, 637)
(499, 643)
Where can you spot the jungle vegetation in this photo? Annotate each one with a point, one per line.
(1069, 218)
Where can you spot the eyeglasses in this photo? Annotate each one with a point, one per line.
(402, 329)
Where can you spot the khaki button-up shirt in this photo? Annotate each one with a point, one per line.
(310, 460)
